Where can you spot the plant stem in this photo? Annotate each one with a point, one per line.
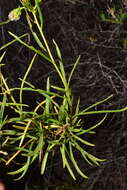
(48, 50)
(52, 59)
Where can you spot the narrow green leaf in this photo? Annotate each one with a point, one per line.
(39, 12)
(58, 88)
(40, 91)
(48, 101)
(63, 111)
(62, 150)
(76, 112)
(13, 104)
(25, 132)
(76, 130)
(39, 147)
(29, 84)
(38, 41)
(44, 161)
(73, 69)
(60, 62)
(83, 141)
(93, 127)
(92, 159)
(70, 170)
(75, 163)
(24, 78)
(97, 103)
(30, 47)
(17, 171)
(65, 162)
(58, 50)
(83, 153)
(2, 56)
(4, 22)
(13, 41)
(24, 168)
(103, 111)
(2, 108)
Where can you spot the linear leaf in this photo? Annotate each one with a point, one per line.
(75, 163)
(30, 47)
(40, 91)
(38, 41)
(2, 108)
(17, 171)
(83, 153)
(24, 78)
(93, 127)
(62, 150)
(73, 69)
(103, 111)
(48, 100)
(76, 112)
(65, 162)
(44, 161)
(13, 41)
(92, 159)
(39, 147)
(60, 61)
(24, 168)
(97, 103)
(83, 141)
(2, 56)
(58, 88)
(39, 12)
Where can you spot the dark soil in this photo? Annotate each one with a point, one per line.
(77, 28)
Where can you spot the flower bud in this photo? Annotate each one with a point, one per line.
(15, 14)
(27, 4)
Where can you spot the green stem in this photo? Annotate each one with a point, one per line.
(48, 50)
(5, 22)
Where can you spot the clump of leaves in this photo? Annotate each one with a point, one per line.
(114, 16)
(55, 122)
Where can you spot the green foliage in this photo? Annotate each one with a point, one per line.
(55, 123)
(114, 16)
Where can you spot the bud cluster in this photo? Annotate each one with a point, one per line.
(27, 4)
